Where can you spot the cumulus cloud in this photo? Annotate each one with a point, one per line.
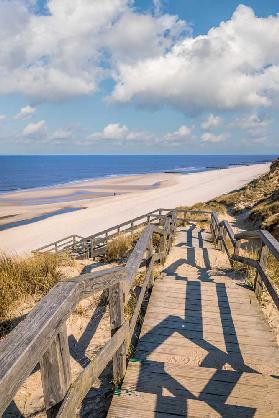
(118, 132)
(211, 122)
(26, 112)
(210, 137)
(182, 133)
(62, 54)
(34, 128)
(235, 65)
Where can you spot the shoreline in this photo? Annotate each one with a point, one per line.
(191, 170)
(131, 196)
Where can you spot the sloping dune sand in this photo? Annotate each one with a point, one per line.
(140, 194)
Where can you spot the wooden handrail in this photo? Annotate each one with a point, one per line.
(42, 338)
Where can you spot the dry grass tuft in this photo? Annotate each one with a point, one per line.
(27, 276)
(120, 247)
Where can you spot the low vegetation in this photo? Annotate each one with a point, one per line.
(259, 201)
(28, 276)
(119, 248)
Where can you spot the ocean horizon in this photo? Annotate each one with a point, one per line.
(23, 172)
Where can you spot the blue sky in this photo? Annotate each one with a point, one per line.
(136, 77)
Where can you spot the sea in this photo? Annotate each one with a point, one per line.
(37, 171)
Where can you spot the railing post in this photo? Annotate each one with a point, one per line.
(132, 227)
(116, 306)
(56, 372)
(149, 254)
(220, 238)
(258, 285)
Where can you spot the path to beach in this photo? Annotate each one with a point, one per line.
(140, 195)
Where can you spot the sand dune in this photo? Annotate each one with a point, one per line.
(134, 195)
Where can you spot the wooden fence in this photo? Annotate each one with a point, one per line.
(94, 245)
(42, 336)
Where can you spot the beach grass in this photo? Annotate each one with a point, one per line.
(27, 276)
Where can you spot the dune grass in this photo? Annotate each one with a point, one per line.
(120, 247)
(27, 276)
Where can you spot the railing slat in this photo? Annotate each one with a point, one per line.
(56, 372)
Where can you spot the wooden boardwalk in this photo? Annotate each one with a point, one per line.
(205, 349)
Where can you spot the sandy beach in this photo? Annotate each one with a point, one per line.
(30, 219)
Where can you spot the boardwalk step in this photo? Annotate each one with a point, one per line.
(148, 405)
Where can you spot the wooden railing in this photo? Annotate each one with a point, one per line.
(42, 336)
(94, 245)
(264, 243)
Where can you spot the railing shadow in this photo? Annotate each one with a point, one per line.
(215, 357)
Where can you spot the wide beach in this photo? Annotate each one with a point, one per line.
(30, 219)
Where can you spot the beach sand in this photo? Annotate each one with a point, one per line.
(92, 206)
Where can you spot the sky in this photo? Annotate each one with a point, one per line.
(139, 77)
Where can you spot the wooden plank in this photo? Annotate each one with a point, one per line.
(87, 377)
(202, 373)
(239, 391)
(246, 332)
(270, 242)
(196, 321)
(56, 372)
(132, 405)
(136, 257)
(184, 339)
(116, 306)
(213, 358)
(258, 286)
(258, 339)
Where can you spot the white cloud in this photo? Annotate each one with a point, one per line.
(60, 135)
(3, 117)
(254, 124)
(117, 132)
(26, 112)
(34, 128)
(182, 133)
(210, 137)
(61, 55)
(235, 65)
(211, 122)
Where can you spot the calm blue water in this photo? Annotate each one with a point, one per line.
(26, 172)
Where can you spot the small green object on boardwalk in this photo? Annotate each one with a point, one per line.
(117, 391)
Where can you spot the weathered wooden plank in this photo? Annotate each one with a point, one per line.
(87, 377)
(257, 340)
(150, 405)
(201, 373)
(270, 242)
(56, 372)
(116, 306)
(136, 257)
(240, 391)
